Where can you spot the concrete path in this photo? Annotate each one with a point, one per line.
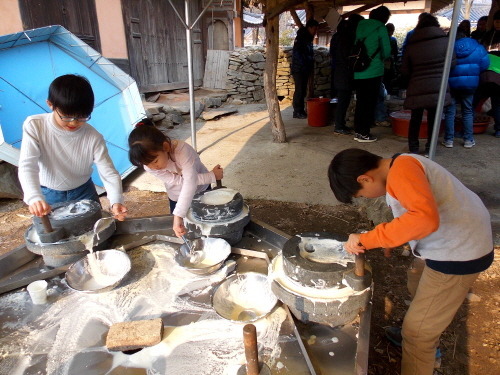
(297, 170)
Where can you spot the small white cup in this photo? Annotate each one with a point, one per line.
(38, 292)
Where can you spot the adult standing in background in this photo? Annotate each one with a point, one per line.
(423, 65)
(342, 79)
(480, 28)
(490, 79)
(302, 65)
(472, 59)
(390, 72)
(367, 82)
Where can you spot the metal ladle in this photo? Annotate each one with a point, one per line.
(194, 255)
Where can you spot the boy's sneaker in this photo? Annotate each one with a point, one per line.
(469, 144)
(393, 334)
(447, 144)
(364, 138)
(497, 134)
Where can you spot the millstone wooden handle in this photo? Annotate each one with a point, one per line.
(359, 265)
(251, 351)
(46, 224)
(219, 184)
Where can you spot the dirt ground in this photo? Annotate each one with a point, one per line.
(470, 345)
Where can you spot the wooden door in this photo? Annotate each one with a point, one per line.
(79, 17)
(156, 41)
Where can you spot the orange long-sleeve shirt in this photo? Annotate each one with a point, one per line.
(434, 211)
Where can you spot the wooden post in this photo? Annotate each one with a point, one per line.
(251, 351)
(238, 25)
(46, 224)
(272, 46)
(359, 264)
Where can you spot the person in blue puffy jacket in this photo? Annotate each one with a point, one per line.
(471, 60)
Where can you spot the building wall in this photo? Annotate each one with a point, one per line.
(111, 29)
(10, 17)
(110, 19)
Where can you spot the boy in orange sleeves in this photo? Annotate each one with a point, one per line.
(446, 225)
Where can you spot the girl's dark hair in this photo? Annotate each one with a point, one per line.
(145, 141)
(72, 95)
(345, 169)
(426, 20)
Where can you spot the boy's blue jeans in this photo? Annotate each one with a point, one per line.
(85, 191)
(465, 100)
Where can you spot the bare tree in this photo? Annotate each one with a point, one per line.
(272, 10)
(467, 7)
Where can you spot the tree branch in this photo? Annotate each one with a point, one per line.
(282, 7)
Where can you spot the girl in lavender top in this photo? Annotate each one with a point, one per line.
(175, 163)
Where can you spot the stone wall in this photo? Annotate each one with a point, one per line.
(245, 74)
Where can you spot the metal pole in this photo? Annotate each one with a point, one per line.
(189, 33)
(444, 79)
(189, 43)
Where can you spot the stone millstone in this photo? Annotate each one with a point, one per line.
(75, 222)
(333, 313)
(310, 273)
(134, 335)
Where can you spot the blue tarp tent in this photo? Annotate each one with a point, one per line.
(29, 62)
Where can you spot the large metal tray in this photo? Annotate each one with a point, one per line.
(305, 348)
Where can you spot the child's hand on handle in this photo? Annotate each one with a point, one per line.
(218, 172)
(179, 227)
(353, 245)
(119, 211)
(40, 208)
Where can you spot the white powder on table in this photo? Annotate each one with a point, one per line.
(72, 331)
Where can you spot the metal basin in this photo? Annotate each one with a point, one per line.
(101, 275)
(212, 252)
(244, 297)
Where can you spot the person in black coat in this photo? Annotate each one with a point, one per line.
(342, 77)
(302, 65)
(423, 65)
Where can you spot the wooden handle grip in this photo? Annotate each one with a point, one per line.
(359, 265)
(46, 224)
(219, 183)
(251, 351)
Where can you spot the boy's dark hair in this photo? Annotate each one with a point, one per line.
(345, 169)
(390, 28)
(72, 95)
(144, 142)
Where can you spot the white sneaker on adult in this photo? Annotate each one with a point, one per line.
(469, 144)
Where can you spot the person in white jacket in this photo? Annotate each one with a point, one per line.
(175, 163)
(59, 148)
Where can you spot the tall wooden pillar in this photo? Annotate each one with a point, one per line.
(238, 24)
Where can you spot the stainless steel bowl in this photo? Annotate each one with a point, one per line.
(212, 252)
(113, 266)
(244, 297)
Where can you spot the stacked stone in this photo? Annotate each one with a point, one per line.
(245, 75)
(245, 82)
(284, 79)
(322, 72)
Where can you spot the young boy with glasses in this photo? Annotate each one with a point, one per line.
(59, 148)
